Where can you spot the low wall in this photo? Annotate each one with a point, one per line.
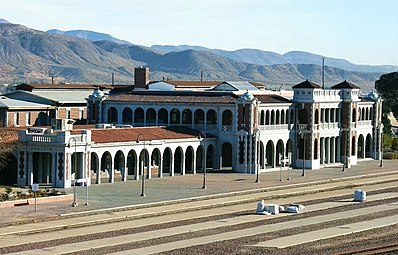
(40, 200)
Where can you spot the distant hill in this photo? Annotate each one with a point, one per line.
(260, 57)
(88, 35)
(28, 55)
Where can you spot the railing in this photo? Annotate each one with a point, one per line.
(365, 123)
(331, 125)
(211, 127)
(275, 127)
(42, 139)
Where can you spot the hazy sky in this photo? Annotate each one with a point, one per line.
(361, 31)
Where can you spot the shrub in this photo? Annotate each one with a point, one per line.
(390, 155)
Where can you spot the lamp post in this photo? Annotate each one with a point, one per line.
(301, 133)
(256, 135)
(381, 143)
(74, 204)
(142, 166)
(203, 135)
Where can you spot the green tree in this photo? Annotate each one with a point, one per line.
(387, 87)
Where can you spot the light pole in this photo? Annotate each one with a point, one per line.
(256, 135)
(280, 162)
(203, 135)
(381, 144)
(74, 204)
(143, 166)
(303, 173)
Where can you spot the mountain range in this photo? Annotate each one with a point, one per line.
(29, 55)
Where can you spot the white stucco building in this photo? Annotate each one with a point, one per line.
(238, 130)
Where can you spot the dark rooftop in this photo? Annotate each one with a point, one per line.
(306, 85)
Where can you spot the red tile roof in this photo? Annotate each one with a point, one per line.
(175, 97)
(149, 133)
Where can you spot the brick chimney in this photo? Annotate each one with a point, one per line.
(141, 77)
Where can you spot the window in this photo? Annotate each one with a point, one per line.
(16, 119)
(68, 114)
(28, 122)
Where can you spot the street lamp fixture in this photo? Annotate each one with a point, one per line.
(74, 204)
(203, 135)
(142, 165)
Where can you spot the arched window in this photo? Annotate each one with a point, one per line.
(262, 117)
(316, 116)
(139, 117)
(354, 115)
(227, 118)
(175, 117)
(127, 115)
(267, 117)
(112, 115)
(316, 149)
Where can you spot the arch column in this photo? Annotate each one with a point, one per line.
(183, 163)
(332, 150)
(160, 166)
(322, 148)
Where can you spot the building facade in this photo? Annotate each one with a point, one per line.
(180, 132)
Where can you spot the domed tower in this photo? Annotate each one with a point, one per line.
(94, 106)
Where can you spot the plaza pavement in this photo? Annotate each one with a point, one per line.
(119, 194)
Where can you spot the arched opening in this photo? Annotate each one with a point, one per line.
(289, 150)
(267, 118)
(175, 117)
(94, 164)
(156, 160)
(132, 163)
(354, 115)
(150, 117)
(277, 118)
(139, 117)
(280, 152)
(226, 154)
(353, 145)
(144, 158)
(211, 119)
(361, 147)
(283, 117)
(316, 116)
(368, 146)
(163, 117)
(187, 117)
(106, 165)
(272, 117)
(178, 160)
(262, 120)
(127, 116)
(119, 164)
(210, 157)
(189, 160)
(199, 159)
(315, 148)
(270, 153)
(227, 118)
(112, 115)
(262, 157)
(167, 161)
(199, 117)
(367, 114)
(9, 172)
